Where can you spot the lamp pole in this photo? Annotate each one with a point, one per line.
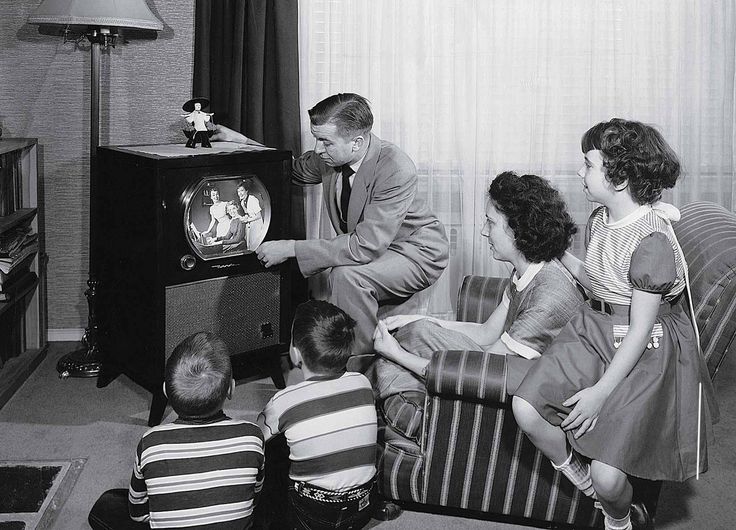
(85, 362)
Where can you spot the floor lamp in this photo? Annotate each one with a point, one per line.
(98, 21)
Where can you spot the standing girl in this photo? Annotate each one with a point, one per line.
(621, 383)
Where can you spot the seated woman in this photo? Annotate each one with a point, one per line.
(235, 238)
(528, 226)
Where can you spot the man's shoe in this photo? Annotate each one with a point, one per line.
(386, 511)
(640, 519)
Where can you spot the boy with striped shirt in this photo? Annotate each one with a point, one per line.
(329, 423)
(204, 469)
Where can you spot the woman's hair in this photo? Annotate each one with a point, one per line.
(245, 184)
(324, 334)
(536, 214)
(634, 155)
(350, 113)
(198, 375)
(234, 205)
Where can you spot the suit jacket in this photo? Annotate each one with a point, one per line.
(384, 213)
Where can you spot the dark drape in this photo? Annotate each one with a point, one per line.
(246, 62)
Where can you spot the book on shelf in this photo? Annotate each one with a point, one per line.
(14, 265)
(14, 289)
(11, 197)
(13, 240)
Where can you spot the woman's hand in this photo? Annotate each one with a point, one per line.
(587, 406)
(384, 343)
(399, 321)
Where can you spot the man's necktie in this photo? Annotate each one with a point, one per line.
(347, 171)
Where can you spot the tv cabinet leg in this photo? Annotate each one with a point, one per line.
(158, 407)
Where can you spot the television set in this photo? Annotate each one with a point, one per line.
(173, 252)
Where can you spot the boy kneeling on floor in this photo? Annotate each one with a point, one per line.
(202, 470)
(327, 429)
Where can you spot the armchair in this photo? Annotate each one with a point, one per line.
(457, 449)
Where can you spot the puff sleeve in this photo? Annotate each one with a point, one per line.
(653, 267)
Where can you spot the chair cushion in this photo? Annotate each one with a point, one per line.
(404, 413)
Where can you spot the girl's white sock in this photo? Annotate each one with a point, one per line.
(611, 523)
(578, 473)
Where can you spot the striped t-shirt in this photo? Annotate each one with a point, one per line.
(197, 474)
(608, 258)
(330, 426)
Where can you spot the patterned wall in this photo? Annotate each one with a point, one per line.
(45, 93)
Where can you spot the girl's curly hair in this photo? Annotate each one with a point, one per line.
(634, 155)
(536, 213)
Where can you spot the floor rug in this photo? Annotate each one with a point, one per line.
(33, 491)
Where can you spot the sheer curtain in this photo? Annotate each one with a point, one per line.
(472, 88)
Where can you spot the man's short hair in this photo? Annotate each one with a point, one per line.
(350, 113)
(324, 334)
(198, 375)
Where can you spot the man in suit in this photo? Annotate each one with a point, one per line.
(388, 243)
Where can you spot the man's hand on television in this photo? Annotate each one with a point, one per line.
(224, 134)
(273, 253)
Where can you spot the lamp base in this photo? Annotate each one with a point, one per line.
(78, 364)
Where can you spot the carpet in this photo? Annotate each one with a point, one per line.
(32, 492)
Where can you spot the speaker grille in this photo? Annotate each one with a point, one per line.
(240, 309)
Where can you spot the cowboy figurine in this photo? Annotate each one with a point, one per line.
(198, 119)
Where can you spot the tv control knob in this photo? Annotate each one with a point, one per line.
(187, 262)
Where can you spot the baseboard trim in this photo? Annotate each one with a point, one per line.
(65, 334)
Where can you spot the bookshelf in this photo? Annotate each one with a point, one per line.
(23, 324)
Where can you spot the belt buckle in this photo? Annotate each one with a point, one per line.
(600, 306)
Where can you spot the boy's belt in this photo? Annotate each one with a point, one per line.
(323, 495)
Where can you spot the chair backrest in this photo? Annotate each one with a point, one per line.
(707, 235)
(478, 297)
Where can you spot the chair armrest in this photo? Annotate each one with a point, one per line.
(468, 376)
(478, 297)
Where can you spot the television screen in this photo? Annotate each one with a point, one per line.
(227, 216)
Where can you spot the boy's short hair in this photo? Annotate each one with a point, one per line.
(324, 335)
(198, 375)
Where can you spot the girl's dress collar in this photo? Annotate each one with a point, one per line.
(664, 210)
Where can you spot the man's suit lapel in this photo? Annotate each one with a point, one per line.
(363, 180)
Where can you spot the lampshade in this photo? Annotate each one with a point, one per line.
(102, 13)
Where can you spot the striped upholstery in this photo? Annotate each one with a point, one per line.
(470, 453)
(707, 235)
(404, 412)
(470, 376)
(478, 297)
